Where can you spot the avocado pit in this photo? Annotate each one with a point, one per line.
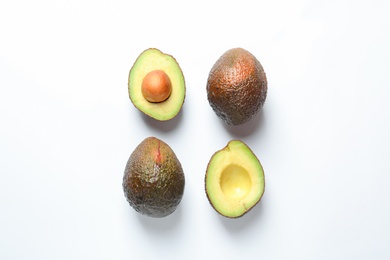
(156, 86)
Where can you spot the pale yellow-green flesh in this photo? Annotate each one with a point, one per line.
(234, 180)
(149, 60)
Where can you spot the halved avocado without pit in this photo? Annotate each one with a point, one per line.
(234, 180)
(156, 85)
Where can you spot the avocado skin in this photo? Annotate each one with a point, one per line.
(153, 181)
(237, 86)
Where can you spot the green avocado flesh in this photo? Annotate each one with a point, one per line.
(234, 180)
(150, 60)
(153, 181)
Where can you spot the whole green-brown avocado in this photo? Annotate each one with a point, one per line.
(237, 86)
(153, 181)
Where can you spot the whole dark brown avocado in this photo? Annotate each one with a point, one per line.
(237, 86)
(153, 181)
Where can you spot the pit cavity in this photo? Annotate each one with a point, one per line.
(235, 182)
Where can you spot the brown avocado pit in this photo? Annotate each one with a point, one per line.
(156, 86)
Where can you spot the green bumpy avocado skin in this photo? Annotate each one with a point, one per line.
(154, 180)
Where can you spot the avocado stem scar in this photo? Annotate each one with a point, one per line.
(158, 157)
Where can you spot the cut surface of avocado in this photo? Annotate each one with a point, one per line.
(234, 180)
(154, 60)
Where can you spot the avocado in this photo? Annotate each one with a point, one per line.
(237, 86)
(156, 85)
(234, 180)
(153, 180)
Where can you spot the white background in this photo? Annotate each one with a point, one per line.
(67, 128)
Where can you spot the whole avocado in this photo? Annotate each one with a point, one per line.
(153, 181)
(237, 86)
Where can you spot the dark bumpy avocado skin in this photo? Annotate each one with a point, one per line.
(154, 180)
(237, 86)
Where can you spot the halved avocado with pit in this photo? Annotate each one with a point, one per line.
(156, 85)
(234, 180)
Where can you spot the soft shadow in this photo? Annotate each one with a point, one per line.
(164, 126)
(245, 222)
(161, 225)
(244, 130)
